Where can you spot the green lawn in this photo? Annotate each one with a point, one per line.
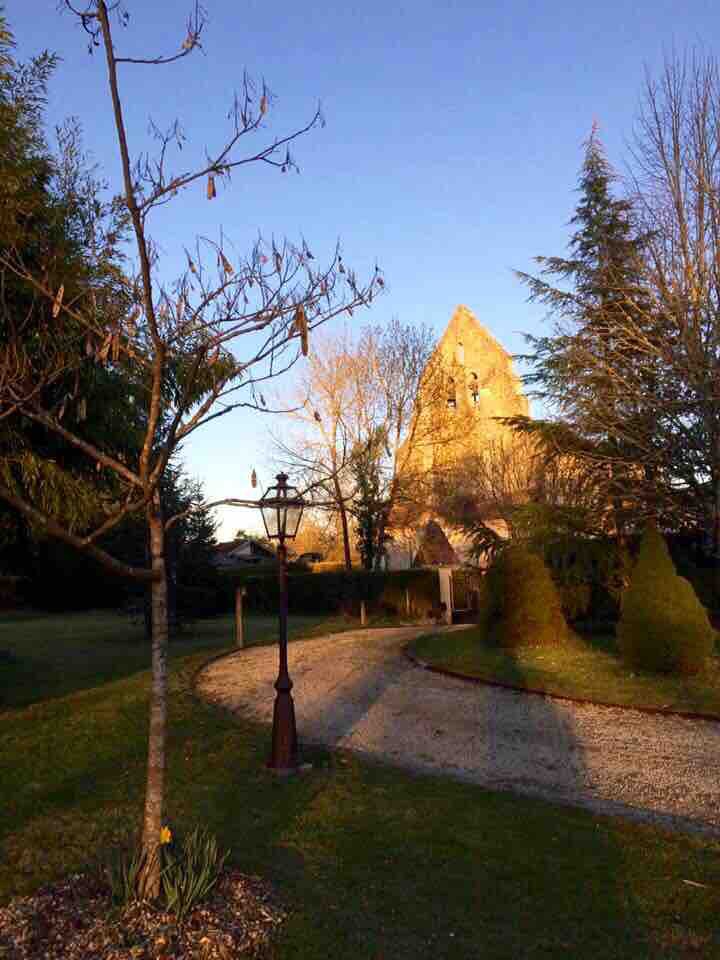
(588, 668)
(373, 863)
(56, 655)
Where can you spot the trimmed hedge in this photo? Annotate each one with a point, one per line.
(664, 628)
(335, 592)
(524, 602)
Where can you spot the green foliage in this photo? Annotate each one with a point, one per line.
(369, 506)
(335, 592)
(664, 627)
(120, 870)
(190, 871)
(591, 575)
(524, 607)
(593, 294)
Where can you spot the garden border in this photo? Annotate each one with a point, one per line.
(582, 701)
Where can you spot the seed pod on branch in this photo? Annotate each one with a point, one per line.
(253, 478)
(300, 324)
(278, 261)
(132, 322)
(211, 191)
(57, 302)
(226, 265)
(263, 105)
(104, 349)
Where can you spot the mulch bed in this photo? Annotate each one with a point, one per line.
(75, 919)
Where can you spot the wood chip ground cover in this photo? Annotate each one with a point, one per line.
(74, 919)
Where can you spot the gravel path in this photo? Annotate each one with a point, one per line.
(358, 691)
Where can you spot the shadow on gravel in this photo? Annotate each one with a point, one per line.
(549, 761)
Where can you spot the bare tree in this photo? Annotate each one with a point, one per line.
(195, 349)
(395, 376)
(323, 430)
(676, 162)
(633, 368)
(361, 394)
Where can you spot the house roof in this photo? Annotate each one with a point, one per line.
(229, 545)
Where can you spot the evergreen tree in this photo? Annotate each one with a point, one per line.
(369, 506)
(663, 627)
(579, 370)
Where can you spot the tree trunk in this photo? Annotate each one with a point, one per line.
(716, 536)
(344, 524)
(154, 788)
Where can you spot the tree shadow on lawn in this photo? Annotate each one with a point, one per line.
(542, 757)
(372, 861)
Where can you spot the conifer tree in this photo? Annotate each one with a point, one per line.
(579, 370)
(663, 628)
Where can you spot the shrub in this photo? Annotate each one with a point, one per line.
(335, 592)
(524, 602)
(591, 573)
(575, 600)
(663, 628)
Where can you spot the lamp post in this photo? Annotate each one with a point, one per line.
(281, 507)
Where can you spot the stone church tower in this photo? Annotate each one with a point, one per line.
(469, 380)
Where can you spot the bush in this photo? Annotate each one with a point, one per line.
(663, 628)
(575, 599)
(524, 605)
(591, 574)
(335, 592)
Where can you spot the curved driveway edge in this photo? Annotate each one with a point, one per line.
(359, 691)
(535, 692)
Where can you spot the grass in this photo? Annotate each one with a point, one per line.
(588, 668)
(52, 656)
(373, 862)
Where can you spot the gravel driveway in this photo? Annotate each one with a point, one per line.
(358, 691)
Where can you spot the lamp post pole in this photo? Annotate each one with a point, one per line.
(284, 755)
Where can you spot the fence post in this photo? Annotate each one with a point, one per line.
(407, 601)
(239, 638)
(362, 613)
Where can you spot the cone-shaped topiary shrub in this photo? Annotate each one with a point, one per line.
(663, 626)
(526, 609)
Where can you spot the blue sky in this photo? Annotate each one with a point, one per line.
(450, 154)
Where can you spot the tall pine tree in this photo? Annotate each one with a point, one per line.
(593, 295)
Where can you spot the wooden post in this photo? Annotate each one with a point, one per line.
(407, 601)
(362, 613)
(239, 639)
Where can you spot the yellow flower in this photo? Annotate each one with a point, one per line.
(165, 835)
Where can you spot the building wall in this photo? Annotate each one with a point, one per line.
(469, 381)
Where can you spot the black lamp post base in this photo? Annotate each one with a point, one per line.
(284, 753)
